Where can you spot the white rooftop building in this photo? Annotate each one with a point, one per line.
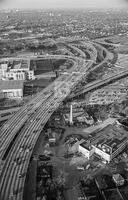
(11, 89)
(86, 149)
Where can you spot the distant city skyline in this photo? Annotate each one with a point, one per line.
(5, 4)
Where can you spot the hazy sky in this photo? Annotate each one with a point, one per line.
(62, 3)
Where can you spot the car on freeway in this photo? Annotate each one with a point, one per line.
(88, 166)
(44, 158)
(80, 167)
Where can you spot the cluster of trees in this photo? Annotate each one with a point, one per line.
(14, 46)
(52, 189)
(10, 47)
(100, 56)
(97, 73)
(115, 57)
(98, 112)
(34, 47)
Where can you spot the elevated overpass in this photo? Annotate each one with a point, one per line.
(98, 83)
(39, 57)
(103, 42)
(10, 110)
(6, 114)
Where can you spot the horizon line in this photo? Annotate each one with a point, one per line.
(66, 8)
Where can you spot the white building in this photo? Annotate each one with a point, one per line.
(104, 152)
(118, 179)
(15, 75)
(16, 70)
(30, 75)
(86, 149)
(19, 75)
(107, 149)
(110, 148)
(3, 69)
(4, 66)
(2, 73)
(11, 89)
(13, 93)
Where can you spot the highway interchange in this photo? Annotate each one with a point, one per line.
(19, 134)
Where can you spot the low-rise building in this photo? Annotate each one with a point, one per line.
(3, 69)
(19, 65)
(110, 148)
(118, 179)
(4, 66)
(11, 89)
(52, 138)
(86, 149)
(16, 70)
(2, 73)
(106, 146)
(19, 75)
(30, 75)
(15, 75)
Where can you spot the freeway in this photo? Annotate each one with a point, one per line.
(25, 126)
(98, 83)
(2, 119)
(6, 114)
(94, 56)
(13, 125)
(105, 59)
(81, 53)
(47, 56)
(83, 90)
(10, 129)
(90, 49)
(103, 42)
(10, 110)
(11, 185)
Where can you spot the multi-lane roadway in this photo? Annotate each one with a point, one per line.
(19, 134)
(24, 128)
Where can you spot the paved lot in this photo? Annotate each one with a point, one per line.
(100, 126)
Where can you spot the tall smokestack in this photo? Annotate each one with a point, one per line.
(71, 116)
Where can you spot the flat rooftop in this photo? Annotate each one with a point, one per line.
(86, 145)
(110, 145)
(11, 84)
(19, 64)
